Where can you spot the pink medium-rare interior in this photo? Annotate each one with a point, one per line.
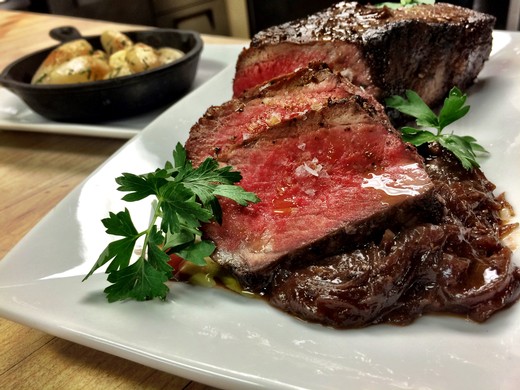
(273, 61)
(237, 122)
(312, 185)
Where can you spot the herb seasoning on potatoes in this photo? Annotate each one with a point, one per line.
(78, 62)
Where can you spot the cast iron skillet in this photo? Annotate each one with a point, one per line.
(104, 100)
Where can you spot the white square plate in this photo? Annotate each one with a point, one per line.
(225, 340)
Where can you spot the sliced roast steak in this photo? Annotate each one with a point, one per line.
(329, 173)
(426, 48)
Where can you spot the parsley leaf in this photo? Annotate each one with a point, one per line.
(186, 197)
(139, 281)
(465, 148)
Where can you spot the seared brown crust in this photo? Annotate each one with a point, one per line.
(353, 22)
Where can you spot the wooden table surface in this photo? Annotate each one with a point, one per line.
(37, 171)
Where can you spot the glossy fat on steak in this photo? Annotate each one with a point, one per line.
(425, 48)
(329, 173)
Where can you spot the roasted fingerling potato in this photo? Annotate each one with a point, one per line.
(60, 55)
(114, 41)
(169, 54)
(79, 70)
(141, 57)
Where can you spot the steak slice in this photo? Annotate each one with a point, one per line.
(328, 176)
(241, 121)
(426, 48)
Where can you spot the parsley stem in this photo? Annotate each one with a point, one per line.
(156, 214)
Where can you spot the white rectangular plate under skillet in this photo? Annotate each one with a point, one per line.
(16, 115)
(225, 340)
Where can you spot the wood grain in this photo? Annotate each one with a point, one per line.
(36, 172)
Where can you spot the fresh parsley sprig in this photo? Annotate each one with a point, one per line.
(186, 197)
(465, 148)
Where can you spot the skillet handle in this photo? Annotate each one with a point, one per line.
(65, 34)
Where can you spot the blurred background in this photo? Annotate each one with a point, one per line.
(239, 18)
